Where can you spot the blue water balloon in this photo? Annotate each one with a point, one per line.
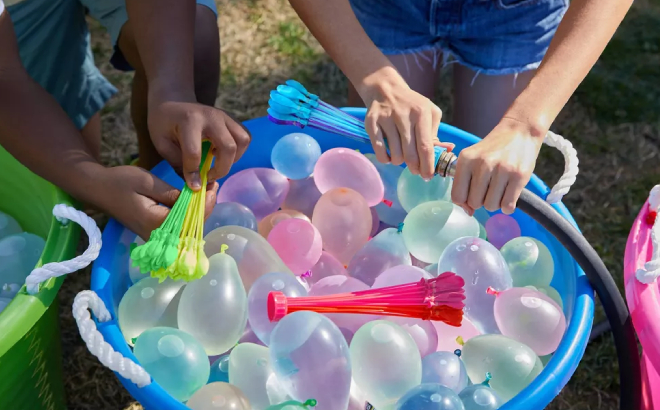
(220, 369)
(230, 213)
(446, 369)
(430, 396)
(295, 155)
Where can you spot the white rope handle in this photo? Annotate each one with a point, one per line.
(571, 162)
(97, 346)
(64, 213)
(651, 270)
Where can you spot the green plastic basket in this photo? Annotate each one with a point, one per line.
(30, 349)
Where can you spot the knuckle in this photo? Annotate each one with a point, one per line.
(474, 203)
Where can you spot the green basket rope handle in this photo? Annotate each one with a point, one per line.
(64, 214)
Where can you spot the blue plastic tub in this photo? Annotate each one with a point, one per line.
(110, 275)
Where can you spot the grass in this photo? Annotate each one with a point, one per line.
(612, 120)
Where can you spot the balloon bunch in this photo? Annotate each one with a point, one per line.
(438, 299)
(176, 248)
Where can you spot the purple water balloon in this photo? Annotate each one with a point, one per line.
(310, 357)
(501, 228)
(423, 332)
(261, 189)
(327, 265)
(386, 250)
(303, 196)
(375, 222)
(400, 275)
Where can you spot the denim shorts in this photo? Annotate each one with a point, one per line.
(54, 45)
(493, 37)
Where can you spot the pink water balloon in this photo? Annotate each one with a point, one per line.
(400, 275)
(303, 196)
(501, 228)
(327, 265)
(268, 223)
(531, 318)
(346, 168)
(448, 336)
(343, 218)
(342, 284)
(261, 189)
(298, 243)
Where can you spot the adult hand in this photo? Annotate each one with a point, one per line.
(133, 196)
(493, 172)
(408, 121)
(178, 128)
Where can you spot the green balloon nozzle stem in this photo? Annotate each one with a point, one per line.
(487, 381)
(162, 253)
(292, 403)
(399, 228)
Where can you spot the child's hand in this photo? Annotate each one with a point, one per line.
(177, 129)
(493, 172)
(132, 196)
(408, 121)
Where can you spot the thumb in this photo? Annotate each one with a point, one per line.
(190, 139)
(449, 146)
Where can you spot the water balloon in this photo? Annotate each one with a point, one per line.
(481, 265)
(480, 397)
(133, 271)
(412, 190)
(339, 168)
(174, 359)
(343, 218)
(512, 364)
(219, 396)
(268, 223)
(430, 396)
(332, 285)
(214, 308)
(258, 300)
(230, 213)
(446, 369)
(311, 359)
(530, 262)
(386, 250)
(303, 196)
(431, 226)
(8, 225)
(298, 243)
(19, 254)
(501, 228)
(400, 275)
(148, 304)
(451, 338)
(386, 362)
(249, 370)
(220, 370)
(530, 317)
(423, 333)
(295, 155)
(327, 265)
(549, 291)
(261, 189)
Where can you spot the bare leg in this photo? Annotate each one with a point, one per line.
(479, 106)
(207, 77)
(91, 133)
(420, 71)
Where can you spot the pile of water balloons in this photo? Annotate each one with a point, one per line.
(19, 253)
(335, 222)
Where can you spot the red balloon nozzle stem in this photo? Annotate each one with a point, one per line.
(277, 306)
(388, 202)
(650, 217)
(492, 291)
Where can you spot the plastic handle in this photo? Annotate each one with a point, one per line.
(651, 270)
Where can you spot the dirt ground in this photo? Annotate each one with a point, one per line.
(613, 121)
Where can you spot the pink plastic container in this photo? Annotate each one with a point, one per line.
(644, 305)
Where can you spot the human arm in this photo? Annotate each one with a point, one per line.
(37, 132)
(408, 120)
(493, 172)
(177, 122)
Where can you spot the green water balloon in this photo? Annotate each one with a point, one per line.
(214, 308)
(174, 359)
(512, 364)
(412, 190)
(431, 226)
(530, 262)
(148, 304)
(219, 396)
(386, 362)
(249, 370)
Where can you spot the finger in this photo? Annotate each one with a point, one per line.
(424, 135)
(408, 143)
(512, 193)
(462, 178)
(376, 137)
(226, 149)
(449, 146)
(498, 184)
(159, 191)
(393, 139)
(210, 200)
(190, 138)
(479, 186)
(170, 152)
(241, 135)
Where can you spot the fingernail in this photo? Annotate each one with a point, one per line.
(427, 179)
(195, 180)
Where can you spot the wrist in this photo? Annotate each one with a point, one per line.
(162, 90)
(380, 84)
(87, 181)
